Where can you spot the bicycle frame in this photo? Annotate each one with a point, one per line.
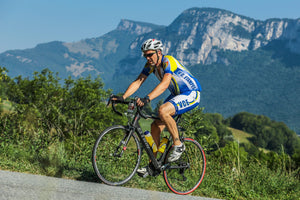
(134, 126)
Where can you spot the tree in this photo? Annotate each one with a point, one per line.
(4, 81)
(269, 134)
(43, 105)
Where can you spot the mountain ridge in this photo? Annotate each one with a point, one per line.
(219, 29)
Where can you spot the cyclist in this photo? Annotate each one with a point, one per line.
(185, 93)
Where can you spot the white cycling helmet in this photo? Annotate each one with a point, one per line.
(152, 44)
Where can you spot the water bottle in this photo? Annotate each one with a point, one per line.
(150, 141)
(163, 144)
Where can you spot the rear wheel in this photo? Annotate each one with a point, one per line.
(186, 174)
(116, 155)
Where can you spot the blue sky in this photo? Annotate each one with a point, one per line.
(26, 23)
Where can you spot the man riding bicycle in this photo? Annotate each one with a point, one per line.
(184, 87)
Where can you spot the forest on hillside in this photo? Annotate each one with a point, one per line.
(263, 82)
(49, 128)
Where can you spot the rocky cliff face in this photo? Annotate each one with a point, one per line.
(278, 29)
(197, 35)
(136, 28)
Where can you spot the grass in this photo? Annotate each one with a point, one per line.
(253, 181)
(240, 136)
(145, 124)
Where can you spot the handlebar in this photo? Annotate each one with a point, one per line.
(139, 109)
(114, 102)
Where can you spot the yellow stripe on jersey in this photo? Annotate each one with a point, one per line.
(177, 90)
(173, 64)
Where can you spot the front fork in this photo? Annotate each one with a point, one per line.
(123, 144)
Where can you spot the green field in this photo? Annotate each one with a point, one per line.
(145, 124)
(5, 106)
(240, 136)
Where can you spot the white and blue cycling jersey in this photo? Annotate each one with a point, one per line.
(184, 87)
(182, 80)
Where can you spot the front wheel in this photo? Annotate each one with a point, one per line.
(116, 155)
(186, 174)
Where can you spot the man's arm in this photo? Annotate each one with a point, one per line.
(135, 85)
(161, 87)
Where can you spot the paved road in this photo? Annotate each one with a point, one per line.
(20, 186)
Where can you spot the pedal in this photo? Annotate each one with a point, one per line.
(143, 175)
(164, 167)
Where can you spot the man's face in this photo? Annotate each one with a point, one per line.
(151, 57)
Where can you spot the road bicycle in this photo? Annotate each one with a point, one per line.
(118, 150)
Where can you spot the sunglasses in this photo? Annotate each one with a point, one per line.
(148, 55)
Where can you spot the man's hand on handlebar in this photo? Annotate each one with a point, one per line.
(143, 101)
(117, 99)
(140, 102)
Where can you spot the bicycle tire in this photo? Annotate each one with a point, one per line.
(114, 163)
(184, 180)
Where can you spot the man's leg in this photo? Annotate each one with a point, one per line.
(166, 111)
(183, 102)
(177, 105)
(156, 128)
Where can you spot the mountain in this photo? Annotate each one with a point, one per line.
(197, 35)
(243, 64)
(96, 56)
